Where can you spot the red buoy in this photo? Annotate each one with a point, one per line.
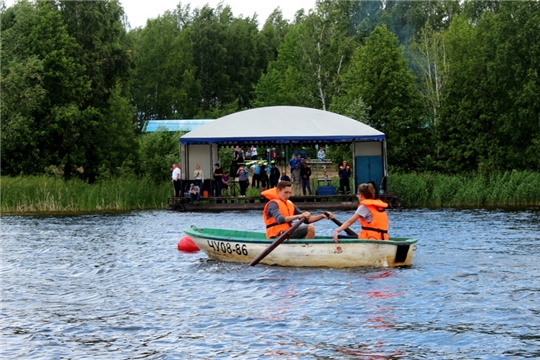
(187, 245)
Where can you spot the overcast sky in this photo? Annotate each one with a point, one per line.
(138, 11)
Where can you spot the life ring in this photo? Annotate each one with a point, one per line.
(179, 207)
(395, 202)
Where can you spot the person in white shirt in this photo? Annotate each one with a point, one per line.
(254, 153)
(177, 180)
(198, 175)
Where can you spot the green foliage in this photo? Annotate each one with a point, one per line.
(407, 18)
(66, 80)
(512, 188)
(122, 151)
(105, 142)
(309, 62)
(379, 77)
(163, 84)
(277, 88)
(226, 157)
(217, 111)
(465, 141)
(338, 153)
(33, 194)
(514, 52)
(97, 28)
(350, 107)
(226, 57)
(252, 192)
(475, 9)
(489, 113)
(429, 57)
(158, 150)
(74, 82)
(362, 17)
(40, 63)
(271, 36)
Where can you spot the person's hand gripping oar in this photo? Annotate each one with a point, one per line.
(278, 241)
(339, 223)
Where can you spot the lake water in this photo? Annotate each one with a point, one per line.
(116, 287)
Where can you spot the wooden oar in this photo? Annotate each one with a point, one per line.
(276, 242)
(339, 223)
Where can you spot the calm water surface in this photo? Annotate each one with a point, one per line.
(116, 287)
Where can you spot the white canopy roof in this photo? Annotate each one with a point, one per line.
(282, 124)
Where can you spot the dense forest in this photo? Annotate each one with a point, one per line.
(453, 84)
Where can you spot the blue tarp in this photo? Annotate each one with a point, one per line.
(175, 125)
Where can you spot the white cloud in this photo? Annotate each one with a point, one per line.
(138, 11)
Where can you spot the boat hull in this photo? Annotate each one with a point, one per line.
(243, 247)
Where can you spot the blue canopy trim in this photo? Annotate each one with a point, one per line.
(282, 140)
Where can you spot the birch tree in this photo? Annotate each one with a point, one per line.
(316, 50)
(380, 78)
(428, 52)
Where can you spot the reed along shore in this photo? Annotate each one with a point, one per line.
(44, 194)
(505, 189)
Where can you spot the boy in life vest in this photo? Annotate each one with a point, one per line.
(371, 214)
(279, 212)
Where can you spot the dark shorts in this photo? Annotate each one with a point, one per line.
(299, 233)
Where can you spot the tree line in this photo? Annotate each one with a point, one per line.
(453, 84)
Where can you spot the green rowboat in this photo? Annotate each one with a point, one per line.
(244, 246)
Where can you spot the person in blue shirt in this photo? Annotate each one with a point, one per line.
(292, 162)
(194, 194)
(256, 179)
(285, 177)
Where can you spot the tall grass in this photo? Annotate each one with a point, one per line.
(43, 194)
(512, 188)
(32, 194)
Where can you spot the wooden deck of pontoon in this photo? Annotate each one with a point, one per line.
(309, 202)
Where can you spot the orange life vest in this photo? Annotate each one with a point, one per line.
(377, 229)
(286, 209)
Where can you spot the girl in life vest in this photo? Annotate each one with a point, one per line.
(371, 214)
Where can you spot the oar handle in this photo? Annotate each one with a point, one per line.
(276, 242)
(339, 223)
